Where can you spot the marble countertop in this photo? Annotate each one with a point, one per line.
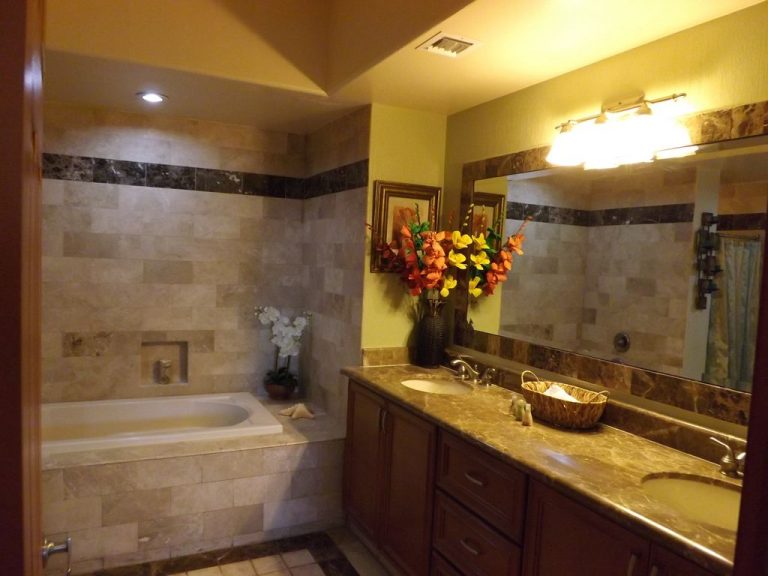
(602, 468)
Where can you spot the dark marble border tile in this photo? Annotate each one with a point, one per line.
(218, 181)
(661, 214)
(753, 221)
(61, 167)
(346, 177)
(119, 172)
(167, 176)
(320, 545)
(104, 170)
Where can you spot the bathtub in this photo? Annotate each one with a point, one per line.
(75, 426)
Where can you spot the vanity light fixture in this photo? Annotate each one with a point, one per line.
(152, 97)
(623, 133)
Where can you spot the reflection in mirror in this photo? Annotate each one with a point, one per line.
(610, 266)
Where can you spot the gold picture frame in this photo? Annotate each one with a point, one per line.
(394, 204)
(489, 211)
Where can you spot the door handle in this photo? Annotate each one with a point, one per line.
(50, 548)
(631, 565)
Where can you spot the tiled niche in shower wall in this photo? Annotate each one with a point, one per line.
(172, 230)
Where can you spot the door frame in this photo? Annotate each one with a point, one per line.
(21, 31)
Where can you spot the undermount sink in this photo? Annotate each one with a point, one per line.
(697, 498)
(437, 386)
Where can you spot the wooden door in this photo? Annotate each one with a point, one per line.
(20, 138)
(665, 563)
(406, 525)
(363, 459)
(564, 537)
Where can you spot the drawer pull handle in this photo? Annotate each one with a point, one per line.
(474, 479)
(471, 549)
(631, 566)
(654, 570)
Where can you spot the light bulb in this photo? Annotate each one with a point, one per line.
(152, 97)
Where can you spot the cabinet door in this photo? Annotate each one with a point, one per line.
(363, 459)
(407, 517)
(665, 563)
(563, 537)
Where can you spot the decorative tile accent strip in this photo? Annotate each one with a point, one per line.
(755, 221)
(321, 547)
(548, 214)
(61, 167)
(342, 178)
(119, 172)
(104, 170)
(166, 176)
(663, 214)
(716, 401)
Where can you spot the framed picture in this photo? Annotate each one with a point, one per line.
(396, 204)
(489, 212)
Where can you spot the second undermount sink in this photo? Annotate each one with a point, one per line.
(437, 386)
(697, 498)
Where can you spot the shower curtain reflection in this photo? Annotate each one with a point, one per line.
(733, 315)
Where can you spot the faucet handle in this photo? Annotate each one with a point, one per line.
(488, 376)
(729, 464)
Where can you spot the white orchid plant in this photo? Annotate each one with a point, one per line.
(286, 336)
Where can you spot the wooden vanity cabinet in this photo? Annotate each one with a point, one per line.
(479, 510)
(417, 498)
(665, 563)
(388, 478)
(565, 537)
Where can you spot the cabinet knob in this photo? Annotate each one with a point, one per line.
(654, 570)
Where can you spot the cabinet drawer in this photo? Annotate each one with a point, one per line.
(470, 544)
(491, 488)
(442, 568)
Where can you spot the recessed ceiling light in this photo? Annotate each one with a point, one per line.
(152, 97)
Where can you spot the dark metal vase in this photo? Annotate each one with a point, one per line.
(431, 335)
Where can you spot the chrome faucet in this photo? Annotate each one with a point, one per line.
(163, 371)
(731, 465)
(465, 369)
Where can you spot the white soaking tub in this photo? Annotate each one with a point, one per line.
(75, 426)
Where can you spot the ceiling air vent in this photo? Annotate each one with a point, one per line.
(448, 45)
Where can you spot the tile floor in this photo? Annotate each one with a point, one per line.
(336, 552)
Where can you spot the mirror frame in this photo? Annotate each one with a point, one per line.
(722, 125)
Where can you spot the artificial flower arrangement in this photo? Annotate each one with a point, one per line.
(286, 336)
(428, 260)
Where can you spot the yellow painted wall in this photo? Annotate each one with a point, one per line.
(406, 146)
(719, 64)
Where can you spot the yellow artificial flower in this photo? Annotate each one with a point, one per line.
(449, 283)
(457, 259)
(473, 289)
(480, 243)
(460, 240)
(480, 259)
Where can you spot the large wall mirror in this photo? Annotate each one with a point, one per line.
(610, 267)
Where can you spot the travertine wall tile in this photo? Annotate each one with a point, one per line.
(74, 514)
(85, 481)
(107, 541)
(233, 521)
(201, 497)
(228, 465)
(168, 472)
(133, 506)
